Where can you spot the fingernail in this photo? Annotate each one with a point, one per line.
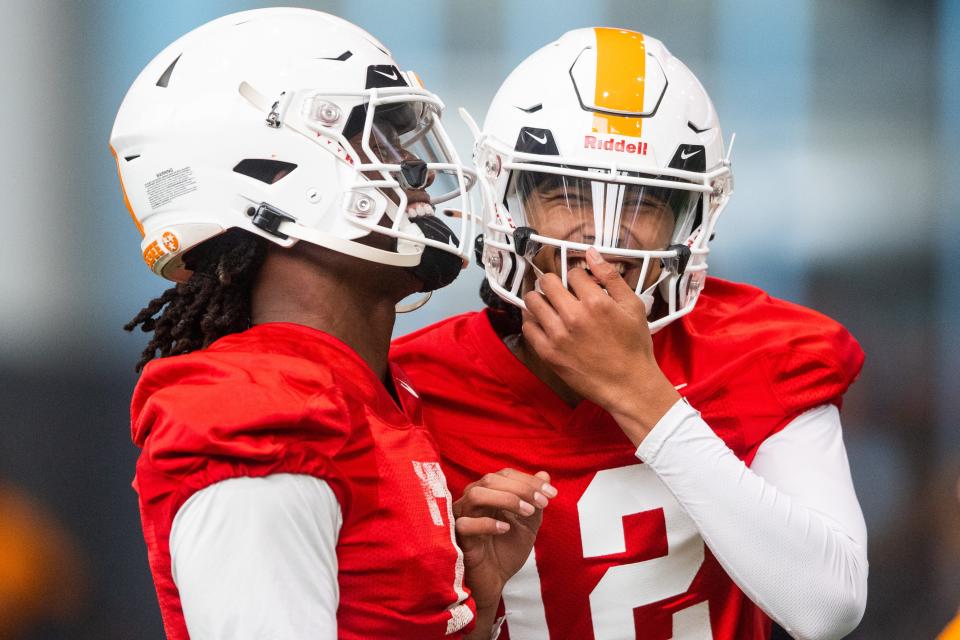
(593, 253)
(502, 527)
(540, 499)
(549, 489)
(526, 508)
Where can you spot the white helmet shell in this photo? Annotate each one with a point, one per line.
(614, 108)
(266, 120)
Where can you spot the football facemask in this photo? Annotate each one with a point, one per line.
(602, 139)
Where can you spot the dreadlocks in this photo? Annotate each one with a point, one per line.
(214, 302)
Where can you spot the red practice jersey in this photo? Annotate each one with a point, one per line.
(747, 362)
(283, 398)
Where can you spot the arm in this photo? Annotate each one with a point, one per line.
(797, 508)
(806, 563)
(256, 557)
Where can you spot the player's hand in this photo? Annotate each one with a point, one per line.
(596, 338)
(497, 520)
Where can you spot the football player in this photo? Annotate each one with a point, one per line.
(691, 425)
(279, 166)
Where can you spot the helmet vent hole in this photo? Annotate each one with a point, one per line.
(131, 158)
(164, 79)
(268, 171)
(696, 129)
(532, 109)
(343, 57)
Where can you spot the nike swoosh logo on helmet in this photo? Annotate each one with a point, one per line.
(542, 140)
(392, 75)
(684, 156)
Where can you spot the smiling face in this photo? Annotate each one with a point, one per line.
(603, 214)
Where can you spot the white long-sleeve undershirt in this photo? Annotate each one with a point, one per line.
(788, 530)
(256, 558)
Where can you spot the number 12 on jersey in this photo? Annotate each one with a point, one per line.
(610, 496)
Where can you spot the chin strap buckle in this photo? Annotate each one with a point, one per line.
(269, 218)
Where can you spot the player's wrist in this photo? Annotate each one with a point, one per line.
(638, 410)
(488, 601)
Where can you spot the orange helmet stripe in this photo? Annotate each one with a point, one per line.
(621, 74)
(123, 190)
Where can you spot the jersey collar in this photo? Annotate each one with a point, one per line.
(523, 384)
(351, 370)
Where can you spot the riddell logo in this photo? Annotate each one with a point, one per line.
(612, 144)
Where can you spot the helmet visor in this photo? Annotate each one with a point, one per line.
(405, 132)
(602, 212)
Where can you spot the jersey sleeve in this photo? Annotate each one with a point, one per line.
(796, 505)
(218, 422)
(791, 368)
(204, 419)
(283, 528)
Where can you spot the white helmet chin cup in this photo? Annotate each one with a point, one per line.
(603, 139)
(293, 125)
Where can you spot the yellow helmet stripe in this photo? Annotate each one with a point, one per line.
(621, 74)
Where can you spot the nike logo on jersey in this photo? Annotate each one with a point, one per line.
(392, 75)
(684, 156)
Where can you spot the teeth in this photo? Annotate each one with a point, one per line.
(418, 209)
(581, 263)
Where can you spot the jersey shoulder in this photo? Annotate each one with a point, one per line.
(455, 365)
(433, 340)
(737, 318)
(432, 355)
(238, 405)
(749, 356)
(732, 310)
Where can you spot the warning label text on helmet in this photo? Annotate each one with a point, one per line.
(169, 185)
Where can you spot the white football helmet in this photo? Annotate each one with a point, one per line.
(602, 139)
(293, 125)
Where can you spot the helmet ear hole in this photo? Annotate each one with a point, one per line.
(268, 171)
